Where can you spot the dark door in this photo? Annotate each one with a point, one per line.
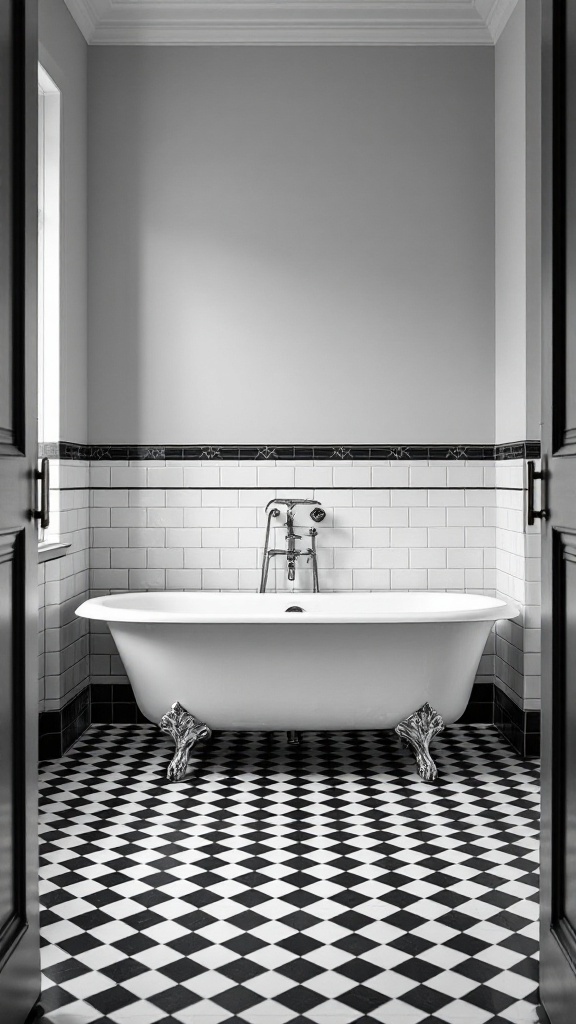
(19, 944)
(558, 890)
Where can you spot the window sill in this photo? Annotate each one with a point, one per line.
(52, 549)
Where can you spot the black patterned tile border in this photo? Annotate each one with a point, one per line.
(517, 450)
(279, 452)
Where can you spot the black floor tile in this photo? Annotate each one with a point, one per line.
(271, 869)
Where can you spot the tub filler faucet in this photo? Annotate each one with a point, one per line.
(291, 552)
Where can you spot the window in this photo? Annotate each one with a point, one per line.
(48, 273)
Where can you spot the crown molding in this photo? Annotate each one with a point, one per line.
(291, 22)
(495, 15)
(85, 15)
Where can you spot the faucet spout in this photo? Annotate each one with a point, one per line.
(291, 572)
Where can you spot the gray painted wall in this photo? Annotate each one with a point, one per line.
(517, 93)
(64, 54)
(291, 245)
(533, 221)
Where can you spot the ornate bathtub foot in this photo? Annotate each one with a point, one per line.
(186, 731)
(416, 731)
(293, 738)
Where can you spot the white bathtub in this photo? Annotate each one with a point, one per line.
(347, 661)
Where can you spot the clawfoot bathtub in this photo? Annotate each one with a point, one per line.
(301, 661)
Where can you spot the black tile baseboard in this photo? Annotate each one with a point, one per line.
(58, 730)
(115, 703)
(346, 452)
(480, 708)
(520, 728)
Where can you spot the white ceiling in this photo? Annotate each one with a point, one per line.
(291, 22)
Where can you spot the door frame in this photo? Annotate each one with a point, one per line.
(19, 938)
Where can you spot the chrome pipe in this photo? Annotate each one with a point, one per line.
(272, 514)
(315, 580)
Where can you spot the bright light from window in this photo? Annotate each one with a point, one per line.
(48, 269)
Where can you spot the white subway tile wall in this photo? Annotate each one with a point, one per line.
(177, 526)
(208, 525)
(517, 558)
(41, 629)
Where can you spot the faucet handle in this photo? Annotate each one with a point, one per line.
(292, 502)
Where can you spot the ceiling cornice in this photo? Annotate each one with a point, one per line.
(495, 14)
(85, 16)
(291, 22)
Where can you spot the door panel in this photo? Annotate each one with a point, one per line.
(19, 941)
(558, 840)
(6, 199)
(13, 918)
(8, 901)
(566, 151)
(564, 892)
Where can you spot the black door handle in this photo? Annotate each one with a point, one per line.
(533, 513)
(43, 515)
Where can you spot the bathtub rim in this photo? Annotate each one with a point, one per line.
(115, 608)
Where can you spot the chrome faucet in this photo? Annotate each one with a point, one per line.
(291, 552)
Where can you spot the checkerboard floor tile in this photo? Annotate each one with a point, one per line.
(276, 884)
